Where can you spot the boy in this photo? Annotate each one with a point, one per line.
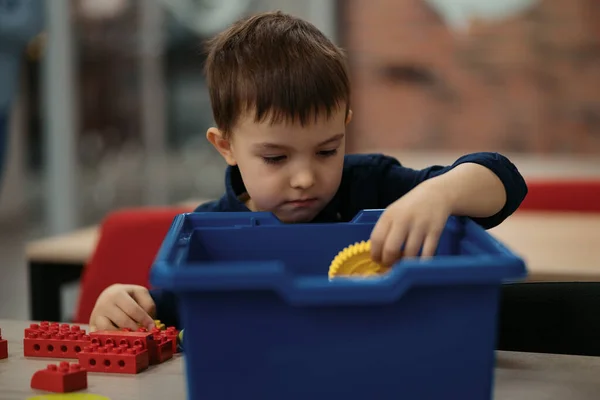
(280, 95)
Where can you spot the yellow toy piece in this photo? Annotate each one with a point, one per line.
(69, 396)
(355, 260)
(158, 324)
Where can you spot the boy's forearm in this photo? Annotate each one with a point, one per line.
(472, 190)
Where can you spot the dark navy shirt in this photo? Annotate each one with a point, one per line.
(369, 181)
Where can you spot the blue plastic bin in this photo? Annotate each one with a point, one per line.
(262, 320)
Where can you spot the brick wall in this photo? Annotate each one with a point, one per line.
(530, 83)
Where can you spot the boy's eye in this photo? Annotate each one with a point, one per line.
(274, 159)
(327, 153)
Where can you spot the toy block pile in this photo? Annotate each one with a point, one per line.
(123, 352)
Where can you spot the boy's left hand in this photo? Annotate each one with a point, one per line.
(416, 219)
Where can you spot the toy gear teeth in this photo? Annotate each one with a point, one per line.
(355, 260)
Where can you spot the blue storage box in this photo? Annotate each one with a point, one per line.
(263, 321)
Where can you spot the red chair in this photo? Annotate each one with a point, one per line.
(128, 243)
(576, 195)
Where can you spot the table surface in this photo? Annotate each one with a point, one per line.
(75, 247)
(557, 247)
(531, 166)
(518, 375)
(164, 381)
(71, 248)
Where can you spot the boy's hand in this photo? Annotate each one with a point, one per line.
(123, 306)
(416, 219)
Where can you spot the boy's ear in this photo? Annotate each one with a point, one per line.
(223, 146)
(349, 117)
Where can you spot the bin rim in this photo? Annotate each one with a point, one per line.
(272, 275)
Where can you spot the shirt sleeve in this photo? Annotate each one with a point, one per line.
(397, 180)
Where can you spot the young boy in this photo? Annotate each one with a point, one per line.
(280, 95)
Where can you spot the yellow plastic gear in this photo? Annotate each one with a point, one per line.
(69, 396)
(158, 324)
(355, 260)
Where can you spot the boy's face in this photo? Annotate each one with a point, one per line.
(290, 170)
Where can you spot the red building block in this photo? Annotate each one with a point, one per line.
(61, 378)
(119, 360)
(142, 337)
(53, 327)
(158, 344)
(3, 347)
(54, 340)
(163, 350)
(172, 333)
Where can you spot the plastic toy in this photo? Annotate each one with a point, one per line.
(355, 260)
(172, 334)
(68, 341)
(69, 396)
(163, 352)
(54, 340)
(159, 344)
(180, 340)
(3, 347)
(141, 338)
(61, 378)
(157, 323)
(119, 360)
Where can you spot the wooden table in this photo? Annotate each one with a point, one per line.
(518, 376)
(557, 247)
(531, 166)
(71, 248)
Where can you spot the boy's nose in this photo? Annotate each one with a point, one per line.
(303, 179)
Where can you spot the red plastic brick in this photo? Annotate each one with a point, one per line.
(171, 333)
(161, 346)
(54, 340)
(61, 378)
(120, 360)
(142, 337)
(3, 347)
(158, 345)
(54, 327)
(163, 350)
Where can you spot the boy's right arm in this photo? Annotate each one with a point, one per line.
(123, 306)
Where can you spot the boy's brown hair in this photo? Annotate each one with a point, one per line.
(277, 66)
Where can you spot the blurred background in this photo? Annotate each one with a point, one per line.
(105, 103)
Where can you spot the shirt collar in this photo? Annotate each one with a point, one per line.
(234, 188)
